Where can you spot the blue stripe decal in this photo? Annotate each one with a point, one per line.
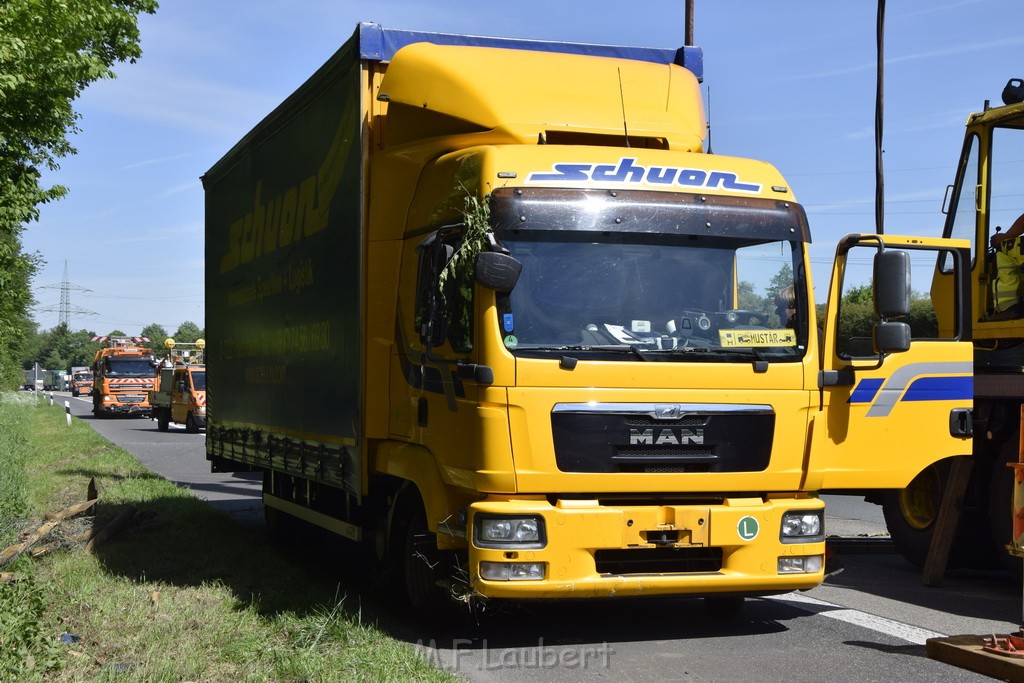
(940, 389)
(866, 390)
(924, 381)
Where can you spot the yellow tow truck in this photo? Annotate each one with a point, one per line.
(180, 394)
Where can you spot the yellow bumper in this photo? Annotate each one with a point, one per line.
(589, 549)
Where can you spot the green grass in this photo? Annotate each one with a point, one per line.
(183, 594)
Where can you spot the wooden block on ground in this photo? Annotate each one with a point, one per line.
(967, 652)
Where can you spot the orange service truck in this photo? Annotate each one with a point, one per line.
(123, 372)
(489, 309)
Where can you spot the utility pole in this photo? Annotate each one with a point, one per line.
(66, 309)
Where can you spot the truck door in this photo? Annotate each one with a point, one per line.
(179, 397)
(886, 416)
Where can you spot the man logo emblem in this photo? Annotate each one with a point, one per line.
(668, 412)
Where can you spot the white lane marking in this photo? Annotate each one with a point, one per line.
(889, 627)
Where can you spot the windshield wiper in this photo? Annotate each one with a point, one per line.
(617, 348)
(718, 351)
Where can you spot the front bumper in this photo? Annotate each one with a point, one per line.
(600, 550)
(127, 409)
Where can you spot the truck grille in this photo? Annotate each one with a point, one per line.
(618, 562)
(662, 438)
(130, 398)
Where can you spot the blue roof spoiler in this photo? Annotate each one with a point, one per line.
(376, 43)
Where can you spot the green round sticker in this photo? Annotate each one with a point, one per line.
(511, 342)
(747, 528)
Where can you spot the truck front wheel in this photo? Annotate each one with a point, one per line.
(190, 424)
(912, 512)
(429, 574)
(162, 422)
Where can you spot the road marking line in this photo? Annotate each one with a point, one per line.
(890, 627)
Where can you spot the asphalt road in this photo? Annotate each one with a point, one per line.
(868, 622)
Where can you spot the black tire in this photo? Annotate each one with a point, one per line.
(425, 571)
(162, 421)
(911, 513)
(190, 425)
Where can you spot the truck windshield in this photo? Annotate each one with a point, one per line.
(199, 380)
(135, 367)
(659, 292)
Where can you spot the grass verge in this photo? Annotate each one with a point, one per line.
(182, 594)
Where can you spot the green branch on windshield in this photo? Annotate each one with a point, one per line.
(456, 278)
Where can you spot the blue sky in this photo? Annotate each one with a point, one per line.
(791, 83)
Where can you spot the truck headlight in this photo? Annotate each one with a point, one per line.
(508, 532)
(802, 526)
(809, 564)
(201, 409)
(512, 571)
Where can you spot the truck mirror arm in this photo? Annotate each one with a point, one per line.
(481, 374)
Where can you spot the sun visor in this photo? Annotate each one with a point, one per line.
(436, 90)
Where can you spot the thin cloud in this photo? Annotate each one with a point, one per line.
(944, 52)
(170, 100)
(162, 160)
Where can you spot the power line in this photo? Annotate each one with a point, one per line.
(65, 309)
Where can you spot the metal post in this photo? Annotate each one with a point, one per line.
(688, 37)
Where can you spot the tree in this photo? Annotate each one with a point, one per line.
(58, 349)
(156, 334)
(188, 332)
(746, 297)
(16, 327)
(49, 53)
(781, 280)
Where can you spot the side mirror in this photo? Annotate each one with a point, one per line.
(891, 337)
(892, 284)
(497, 271)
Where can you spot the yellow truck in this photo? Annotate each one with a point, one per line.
(983, 201)
(180, 393)
(489, 309)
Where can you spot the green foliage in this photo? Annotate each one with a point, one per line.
(779, 281)
(27, 650)
(857, 316)
(457, 277)
(16, 271)
(187, 333)
(156, 334)
(748, 299)
(13, 455)
(860, 294)
(245, 612)
(49, 53)
(58, 349)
